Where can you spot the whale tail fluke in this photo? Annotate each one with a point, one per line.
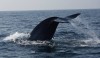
(46, 29)
(73, 16)
(66, 19)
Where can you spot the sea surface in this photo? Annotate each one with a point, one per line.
(80, 38)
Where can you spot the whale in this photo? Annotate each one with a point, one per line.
(46, 29)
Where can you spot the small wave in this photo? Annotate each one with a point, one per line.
(89, 43)
(81, 43)
(92, 41)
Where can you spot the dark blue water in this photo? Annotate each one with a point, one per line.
(77, 39)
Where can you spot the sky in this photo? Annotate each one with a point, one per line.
(10, 5)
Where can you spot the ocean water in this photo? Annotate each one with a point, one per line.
(78, 39)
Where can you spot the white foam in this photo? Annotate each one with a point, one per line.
(16, 36)
(26, 42)
(21, 38)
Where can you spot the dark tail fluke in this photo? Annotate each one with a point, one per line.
(73, 16)
(66, 19)
(46, 29)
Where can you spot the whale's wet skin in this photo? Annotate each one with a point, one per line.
(78, 39)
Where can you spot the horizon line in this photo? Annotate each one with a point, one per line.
(50, 9)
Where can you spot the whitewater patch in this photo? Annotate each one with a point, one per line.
(21, 38)
(17, 36)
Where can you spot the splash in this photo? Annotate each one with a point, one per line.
(83, 27)
(16, 36)
(21, 38)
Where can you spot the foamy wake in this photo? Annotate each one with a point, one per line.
(21, 38)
